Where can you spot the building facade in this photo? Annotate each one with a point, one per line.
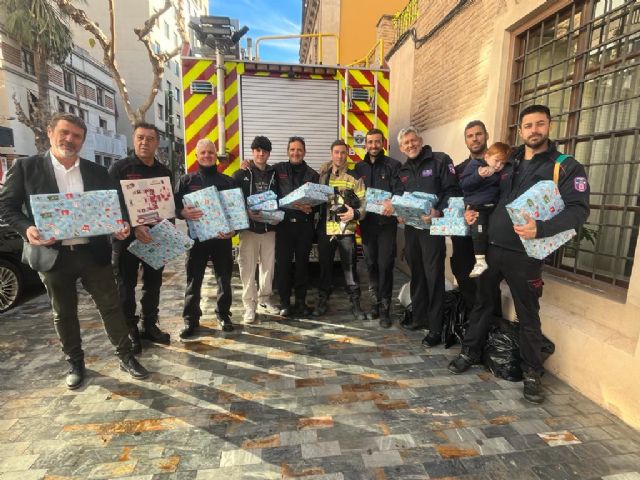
(133, 61)
(352, 21)
(81, 86)
(460, 61)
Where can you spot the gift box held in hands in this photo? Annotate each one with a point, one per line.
(266, 205)
(272, 217)
(258, 198)
(310, 193)
(456, 202)
(412, 207)
(167, 244)
(540, 202)
(65, 216)
(148, 200)
(234, 208)
(374, 198)
(213, 221)
(449, 226)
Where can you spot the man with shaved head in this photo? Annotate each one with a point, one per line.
(219, 250)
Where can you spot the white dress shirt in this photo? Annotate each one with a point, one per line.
(69, 180)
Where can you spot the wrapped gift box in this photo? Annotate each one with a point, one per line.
(168, 243)
(71, 215)
(266, 205)
(541, 202)
(456, 202)
(213, 221)
(453, 212)
(412, 207)
(272, 217)
(234, 208)
(256, 199)
(374, 198)
(148, 200)
(309, 193)
(451, 225)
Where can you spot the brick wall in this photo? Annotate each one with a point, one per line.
(11, 54)
(386, 31)
(452, 67)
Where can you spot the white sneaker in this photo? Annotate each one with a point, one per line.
(249, 316)
(478, 269)
(270, 308)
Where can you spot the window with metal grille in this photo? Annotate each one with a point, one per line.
(582, 62)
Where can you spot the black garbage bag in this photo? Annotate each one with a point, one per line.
(454, 318)
(502, 350)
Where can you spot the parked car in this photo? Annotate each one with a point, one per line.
(14, 275)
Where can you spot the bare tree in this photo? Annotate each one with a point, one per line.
(108, 44)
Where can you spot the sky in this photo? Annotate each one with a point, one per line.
(265, 17)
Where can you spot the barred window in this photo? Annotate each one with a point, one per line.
(582, 62)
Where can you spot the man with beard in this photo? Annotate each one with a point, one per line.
(534, 161)
(428, 172)
(377, 170)
(141, 164)
(61, 263)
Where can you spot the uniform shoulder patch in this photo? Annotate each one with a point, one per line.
(580, 184)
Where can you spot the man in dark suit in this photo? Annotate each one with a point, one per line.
(61, 263)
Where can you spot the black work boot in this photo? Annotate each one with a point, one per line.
(134, 336)
(385, 317)
(356, 309)
(432, 339)
(322, 306)
(301, 309)
(461, 363)
(130, 364)
(374, 313)
(189, 329)
(75, 375)
(153, 333)
(225, 321)
(285, 310)
(533, 388)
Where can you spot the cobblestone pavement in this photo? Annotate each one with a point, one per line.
(312, 398)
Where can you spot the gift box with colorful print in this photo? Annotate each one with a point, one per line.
(272, 217)
(213, 221)
(541, 202)
(72, 215)
(456, 202)
(374, 199)
(453, 212)
(234, 208)
(258, 198)
(168, 243)
(411, 207)
(449, 226)
(148, 200)
(310, 193)
(266, 205)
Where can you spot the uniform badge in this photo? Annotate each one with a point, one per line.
(580, 184)
(404, 179)
(427, 173)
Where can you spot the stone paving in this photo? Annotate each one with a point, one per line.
(310, 399)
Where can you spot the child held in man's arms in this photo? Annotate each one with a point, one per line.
(481, 187)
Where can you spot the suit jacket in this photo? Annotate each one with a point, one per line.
(35, 175)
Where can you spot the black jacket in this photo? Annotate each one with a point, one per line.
(430, 172)
(203, 178)
(382, 174)
(287, 183)
(252, 181)
(479, 190)
(35, 175)
(572, 184)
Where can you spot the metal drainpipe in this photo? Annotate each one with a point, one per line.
(222, 143)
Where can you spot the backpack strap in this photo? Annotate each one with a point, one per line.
(556, 168)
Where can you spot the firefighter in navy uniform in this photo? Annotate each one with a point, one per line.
(379, 231)
(531, 163)
(219, 250)
(141, 164)
(294, 235)
(429, 172)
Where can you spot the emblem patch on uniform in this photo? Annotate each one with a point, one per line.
(427, 173)
(580, 184)
(452, 169)
(504, 176)
(404, 179)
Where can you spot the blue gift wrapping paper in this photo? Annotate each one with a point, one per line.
(272, 217)
(213, 221)
(167, 244)
(266, 205)
(72, 215)
(258, 198)
(541, 202)
(453, 212)
(309, 193)
(456, 202)
(412, 207)
(374, 198)
(234, 208)
(449, 225)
